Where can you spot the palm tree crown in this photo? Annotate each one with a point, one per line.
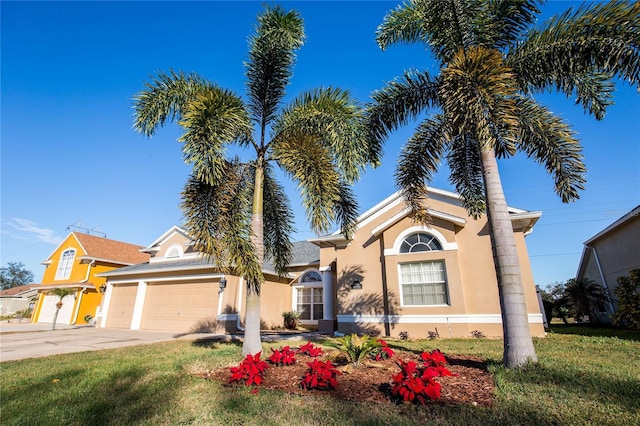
(491, 63)
(237, 212)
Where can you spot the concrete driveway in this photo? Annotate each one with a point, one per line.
(25, 340)
(20, 341)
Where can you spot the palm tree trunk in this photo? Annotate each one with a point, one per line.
(252, 344)
(518, 345)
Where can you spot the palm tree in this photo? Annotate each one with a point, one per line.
(61, 293)
(586, 296)
(237, 212)
(492, 61)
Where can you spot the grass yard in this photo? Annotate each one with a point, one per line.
(591, 379)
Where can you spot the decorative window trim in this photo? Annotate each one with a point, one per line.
(446, 285)
(174, 248)
(300, 285)
(395, 250)
(65, 264)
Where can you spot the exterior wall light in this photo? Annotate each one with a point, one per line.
(356, 285)
(223, 283)
(102, 288)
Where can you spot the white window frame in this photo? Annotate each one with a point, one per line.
(313, 286)
(446, 284)
(65, 264)
(395, 250)
(174, 247)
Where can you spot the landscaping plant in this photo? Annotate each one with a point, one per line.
(310, 349)
(416, 384)
(383, 352)
(320, 375)
(250, 371)
(282, 356)
(358, 348)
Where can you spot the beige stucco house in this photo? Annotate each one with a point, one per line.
(393, 276)
(611, 254)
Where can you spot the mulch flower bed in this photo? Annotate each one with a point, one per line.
(371, 381)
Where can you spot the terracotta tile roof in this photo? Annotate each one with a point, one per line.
(16, 290)
(116, 251)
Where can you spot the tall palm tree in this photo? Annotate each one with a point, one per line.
(61, 293)
(237, 212)
(492, 61)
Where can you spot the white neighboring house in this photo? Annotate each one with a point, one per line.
(610, 254)
(18, 299)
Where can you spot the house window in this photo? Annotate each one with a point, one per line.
(309, 303)
(423, 283)
(420, 241)
(65, 264)
(173, 251)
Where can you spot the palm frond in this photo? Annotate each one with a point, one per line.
(271, 57)
(403, 24)
(346, 210)
(466, 173)
(400, 101)
(418, 161)
(164, 98)
(278, 223)
(551, 142)
(309, 163)
(212, 119)
(504, 21)
(335, 120)
(218, 219)
(579, 52)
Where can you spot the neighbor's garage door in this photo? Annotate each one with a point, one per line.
(49, 309)
(183, 307)
(123, 297)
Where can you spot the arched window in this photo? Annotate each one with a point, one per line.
(308, 297)
(311, 277)
(173, 251)
(65, 264)
(420, 241)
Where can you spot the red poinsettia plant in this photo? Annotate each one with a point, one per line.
(282, 356)
(384, 351)
(320, 375)
(310, 349)
(416, 384)
(250, 371)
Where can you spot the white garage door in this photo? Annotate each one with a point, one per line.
(123, 298)
(183, 307)
(49, 309)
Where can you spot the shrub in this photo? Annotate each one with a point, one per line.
(358, 348)
(310, 349)
(250, 371)
(628, 292)
(87, 318)
(404, 335)
(383, 352)
(291, 319)
(477, 334)
(416, 384)
(320, 375)
(282, 356)
(433, 335)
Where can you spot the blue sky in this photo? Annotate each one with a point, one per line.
(69, 155)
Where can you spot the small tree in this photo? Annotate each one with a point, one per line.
(61, 293)
(628, 292)
(14, 275)
(585, 295)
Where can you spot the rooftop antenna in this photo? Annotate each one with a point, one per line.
(78, 226)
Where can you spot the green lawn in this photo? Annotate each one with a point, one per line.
(580, 380)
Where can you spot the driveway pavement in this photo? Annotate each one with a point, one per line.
(25, 340)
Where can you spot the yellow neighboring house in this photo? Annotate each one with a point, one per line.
(74, 265)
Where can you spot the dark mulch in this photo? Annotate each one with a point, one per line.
(371, 381)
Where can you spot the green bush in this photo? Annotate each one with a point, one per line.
(628, 292)
(358, 348)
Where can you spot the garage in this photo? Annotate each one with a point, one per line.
(49, 309)
(180, 306)
(123, 299)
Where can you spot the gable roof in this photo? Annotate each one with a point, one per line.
(521, 218)
(104, 249)
(153, 247)
(16, 291)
